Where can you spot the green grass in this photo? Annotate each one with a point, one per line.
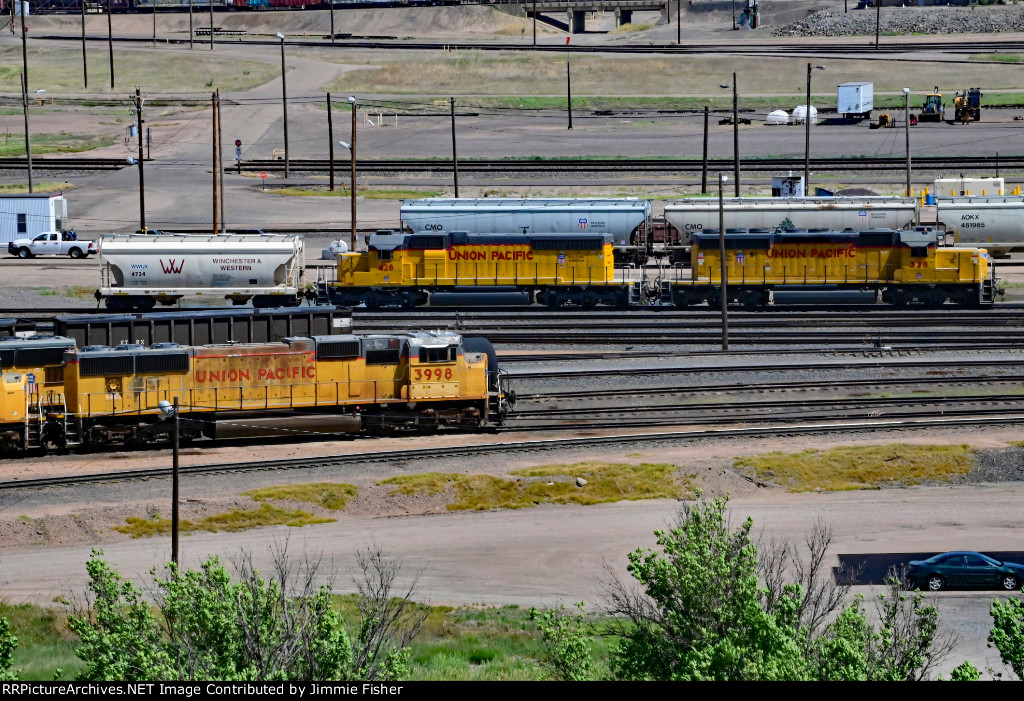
(234, 520)
(860, 467)
(547, 484)
(54, 143)
(329, 495)
(467, 643)
(1000, 58)
(19, 189)
(44, 642)
(57, 70)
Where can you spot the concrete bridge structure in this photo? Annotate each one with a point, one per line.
(575, 11)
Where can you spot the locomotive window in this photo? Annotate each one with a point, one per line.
(162, 362)
(121, 364)
(918, 251)
(6, 358)
(384, 255)
(448, 354)
(386, 356)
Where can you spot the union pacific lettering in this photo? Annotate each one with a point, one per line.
(262, 375)
(813, 252)
(472, 253)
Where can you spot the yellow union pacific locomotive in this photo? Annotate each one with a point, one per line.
(322, 384)
(904, 266)
(403, 269)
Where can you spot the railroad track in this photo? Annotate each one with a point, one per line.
(505, 448)
(559, 166)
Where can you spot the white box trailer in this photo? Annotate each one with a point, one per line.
(25, 216)
(960, 187)
(700, 213)
(139, 270)
(855, 100)
(627, 219)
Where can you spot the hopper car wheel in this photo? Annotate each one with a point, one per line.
(372, 301)
(144, 304)
(75, 253)
(24, 253)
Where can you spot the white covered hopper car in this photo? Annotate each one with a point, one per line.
(627, 219)
(834, 213)
(139, 270)
(993, 223)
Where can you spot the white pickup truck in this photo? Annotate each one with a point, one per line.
(52, 243)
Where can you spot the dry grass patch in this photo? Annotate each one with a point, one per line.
(547, 484)
(860, 467)
(234, 520)
(19, 189)
(329, 495)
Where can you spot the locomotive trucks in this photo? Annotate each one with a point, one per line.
(139, 270)
(626, 219)
(329, 384)
(51, 243)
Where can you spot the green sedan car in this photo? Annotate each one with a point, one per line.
(964, 569)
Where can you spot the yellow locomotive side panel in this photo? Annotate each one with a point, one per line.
(121, 393)
(224, 378)
(477, 265)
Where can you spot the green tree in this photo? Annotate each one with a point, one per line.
(8, 644)
(700, 614)
(205, 624)
(965, 672)
(568, 652)
(1007, 632)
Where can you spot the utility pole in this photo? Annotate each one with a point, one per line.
(284, 105)
(679, 31)
(85, 65)
(352, 101)
(216, 159)
(704, 167)
(455, 158)
(878, 19)
(24, 44)
(28, 141)
(330, 134)
(332, 23)
(110, 45)
(723, 269)
(220, 163)
(175, 496)
(735, 135)
(154, 21)
(139, 100)
(191, 32)
(211, 26)
(534, 22)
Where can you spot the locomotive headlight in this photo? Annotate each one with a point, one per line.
(166, 408)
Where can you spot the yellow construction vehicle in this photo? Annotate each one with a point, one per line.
(967, 105)
(933, 109)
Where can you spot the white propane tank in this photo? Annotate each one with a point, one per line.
(778, 117)
(332, 251)
(800, 112)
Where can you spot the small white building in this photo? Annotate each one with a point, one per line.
(24, 216)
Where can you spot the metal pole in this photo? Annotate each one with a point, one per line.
(191, 32)
(704, 165)
(220, 162)
(723, 272)
(878, 19)
(679, 30)
(175, 495)
(110, 45)
(455, 158)
(734, 15)
(330, 134)
(154, 22)
(807, 136)
(211, 26)
(28, 141)
(216, 165)
(352, 152)
(906, 117)
(735, 136)
(85, 65)
(142, 172)
(332, 20)
(24, 46)
(534, 22)
(568, 78)
(284, 104)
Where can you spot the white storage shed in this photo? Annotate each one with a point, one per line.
(24, 216)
